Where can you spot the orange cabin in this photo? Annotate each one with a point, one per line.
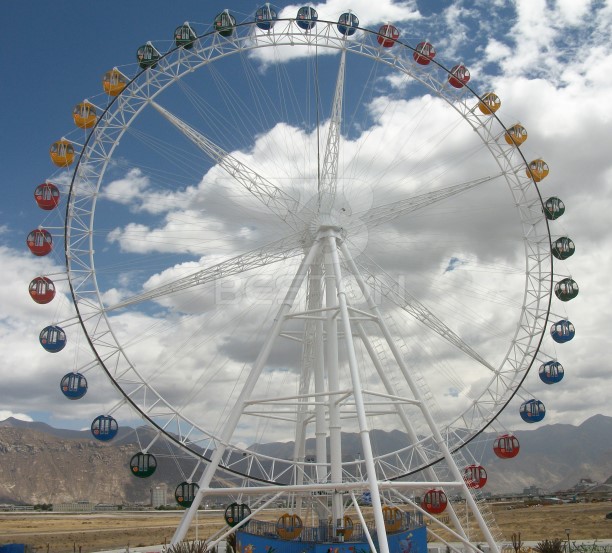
(537, 170)
(84, 115)
(393, 518)
(289, 527)
(516, 135)
(489, 103)
(62, 153)
(114, 82)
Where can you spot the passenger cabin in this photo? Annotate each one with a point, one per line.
(551, 372)
(537, 170)
(515, 135)
(289, 526)
(434, 502)
(393, 519)
(42, 290)
(52, 339)
(73, 385)
(265, 17)
(185, 493)
(147, 56)
(506, 446)
(40, 242)
(475, 476)
(113, 82)
(553, 208)
(143, 465)
(562, 331)
(184, 36)
(387, 35)
(84, 115)
(225, 23)
(566, 289)
(459, 76)
(104, 428)
(424, 53)
(563, 248)
(532, 410)
(47, 196)
(347, 24)
(489, 103)
(306, 18)
(62, 153)
(236, 513)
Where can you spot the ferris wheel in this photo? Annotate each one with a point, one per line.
(311, 255)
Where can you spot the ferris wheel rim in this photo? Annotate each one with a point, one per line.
(72, 279)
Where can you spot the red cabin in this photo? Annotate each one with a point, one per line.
(434, 502)
(459, 76)
(424, 53)
(40, 242)
(506, 446)
(47, 196)
(387, 35)
(475, 476)
(42, 290)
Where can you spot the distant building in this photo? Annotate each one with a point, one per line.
(159, 495)
(106, 507)
(74, 507)
(533, 491)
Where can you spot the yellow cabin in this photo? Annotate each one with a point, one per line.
(393, 518)
(516, 135)
(84, 115)
(289, 527)
(114, 82)
(537, 170)
(490, 103)
(62, 153)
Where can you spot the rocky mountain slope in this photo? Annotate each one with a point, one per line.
(41, 464)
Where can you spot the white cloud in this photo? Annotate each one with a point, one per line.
(19, 416)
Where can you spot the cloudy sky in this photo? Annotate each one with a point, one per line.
(165, 211)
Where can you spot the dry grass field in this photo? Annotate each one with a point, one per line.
(60, 533)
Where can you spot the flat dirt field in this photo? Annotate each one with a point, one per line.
(65, 533)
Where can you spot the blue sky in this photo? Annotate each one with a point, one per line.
(549, 61)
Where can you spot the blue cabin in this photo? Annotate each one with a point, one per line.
(562, 331)
(532, 410)
(347, 24)
(73, 385)
(551, 372)
(265, 17)
(306, 18)
(104, 428)
(52, 338)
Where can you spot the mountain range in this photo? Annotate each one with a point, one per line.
(42, 464)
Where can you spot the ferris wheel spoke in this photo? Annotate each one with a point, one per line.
(281, 204)
(273, 252)
(329, 171)
(388, 287)
(388, 212)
